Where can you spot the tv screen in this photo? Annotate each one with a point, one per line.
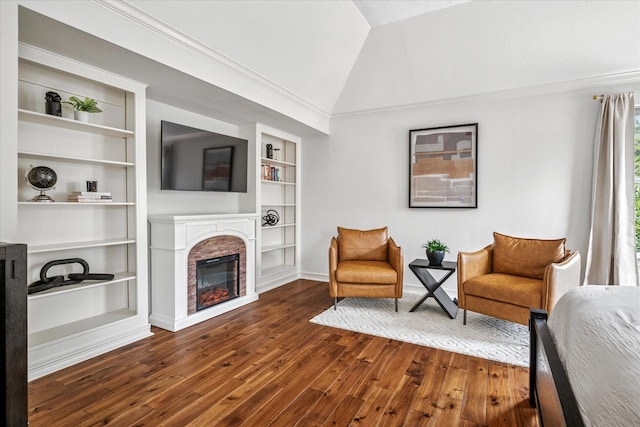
(199, 160)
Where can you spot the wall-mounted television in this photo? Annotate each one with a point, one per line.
(200, 160)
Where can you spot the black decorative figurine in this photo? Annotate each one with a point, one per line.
(53, 105)
(271, 218)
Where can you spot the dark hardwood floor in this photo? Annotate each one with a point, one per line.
(266, 364)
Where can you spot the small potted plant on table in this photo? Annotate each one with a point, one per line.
(435, 251)
(82, 107)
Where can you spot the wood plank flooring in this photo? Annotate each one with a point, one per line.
(265, 364)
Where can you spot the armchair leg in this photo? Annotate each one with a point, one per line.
(464, 318)
(335, 303)
(396, 305)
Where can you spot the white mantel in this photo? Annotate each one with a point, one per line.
(172, 237)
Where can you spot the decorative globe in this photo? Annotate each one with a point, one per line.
(41, 178)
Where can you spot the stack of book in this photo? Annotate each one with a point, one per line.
(89, 197)
(271, 173)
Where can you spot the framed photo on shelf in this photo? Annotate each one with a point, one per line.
(443, 169)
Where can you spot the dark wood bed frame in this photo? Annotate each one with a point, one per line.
(549, 387)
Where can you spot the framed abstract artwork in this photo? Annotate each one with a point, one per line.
(443, 170)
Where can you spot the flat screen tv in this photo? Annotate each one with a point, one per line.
(199, 160)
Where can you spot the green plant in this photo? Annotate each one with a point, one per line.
(88, 104)
(436, 245)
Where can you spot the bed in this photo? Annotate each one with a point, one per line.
(585, 358)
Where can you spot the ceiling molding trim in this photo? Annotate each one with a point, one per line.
(589, 83)
(152, 24)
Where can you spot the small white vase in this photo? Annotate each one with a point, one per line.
(81, 116)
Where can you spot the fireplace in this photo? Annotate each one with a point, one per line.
(178, 243)
(217, 280)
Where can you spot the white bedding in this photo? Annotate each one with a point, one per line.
(597, 332)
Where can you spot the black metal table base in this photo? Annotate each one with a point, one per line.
(420, 268)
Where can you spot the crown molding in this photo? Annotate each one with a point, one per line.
(146, 21)
(589, 83)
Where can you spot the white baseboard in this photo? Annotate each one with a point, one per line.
(276, 282)
(174, 325)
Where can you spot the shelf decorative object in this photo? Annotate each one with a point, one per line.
(81, 107)
(271, 218)
(52, 104)
(41, 178)
(47, 282)
(435, 251)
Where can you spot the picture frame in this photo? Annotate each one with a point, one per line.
(443, 167)
(216, 169)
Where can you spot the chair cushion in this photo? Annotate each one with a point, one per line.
(516, 290)
(525, 257)
(362, 245)
(373, 272)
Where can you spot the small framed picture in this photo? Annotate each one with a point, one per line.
(443, 170)
(216, 170)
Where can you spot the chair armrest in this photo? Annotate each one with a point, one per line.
(396, 259)
(473, 264)
(559, 278)
(333, 266)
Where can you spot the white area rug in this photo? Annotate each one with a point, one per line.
(429, 325)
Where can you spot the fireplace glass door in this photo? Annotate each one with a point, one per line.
(217, 280)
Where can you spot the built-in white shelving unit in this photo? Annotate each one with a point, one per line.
(278, 189)
(71, 323)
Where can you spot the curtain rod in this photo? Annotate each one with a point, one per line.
(600, 97)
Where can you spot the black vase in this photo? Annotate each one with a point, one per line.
(435, 257)
(53, 108)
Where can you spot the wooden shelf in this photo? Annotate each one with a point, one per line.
(273, 227)
(277, 247)
(46, 156)
(276, 162)
(35, 249)
(278, 269)
(279, 251)
(71, 323)
(77, 203)
(62, 122)
(265, 181)
(84, 325)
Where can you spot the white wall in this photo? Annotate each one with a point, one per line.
(487, 46)
(182, 202)
(8, 121)
(535, 158)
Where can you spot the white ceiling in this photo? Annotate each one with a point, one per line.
(381, 12)
(296, 61)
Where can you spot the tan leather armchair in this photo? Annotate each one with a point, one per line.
(510, 276)
(365, 263)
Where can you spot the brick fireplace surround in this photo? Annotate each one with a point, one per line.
(177, 242)
(211, 248)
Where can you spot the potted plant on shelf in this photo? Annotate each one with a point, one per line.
(81, 107)
(435, 251)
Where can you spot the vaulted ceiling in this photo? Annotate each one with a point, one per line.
(294, 64)
(381, 12)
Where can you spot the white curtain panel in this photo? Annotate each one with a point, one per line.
(611, 256)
